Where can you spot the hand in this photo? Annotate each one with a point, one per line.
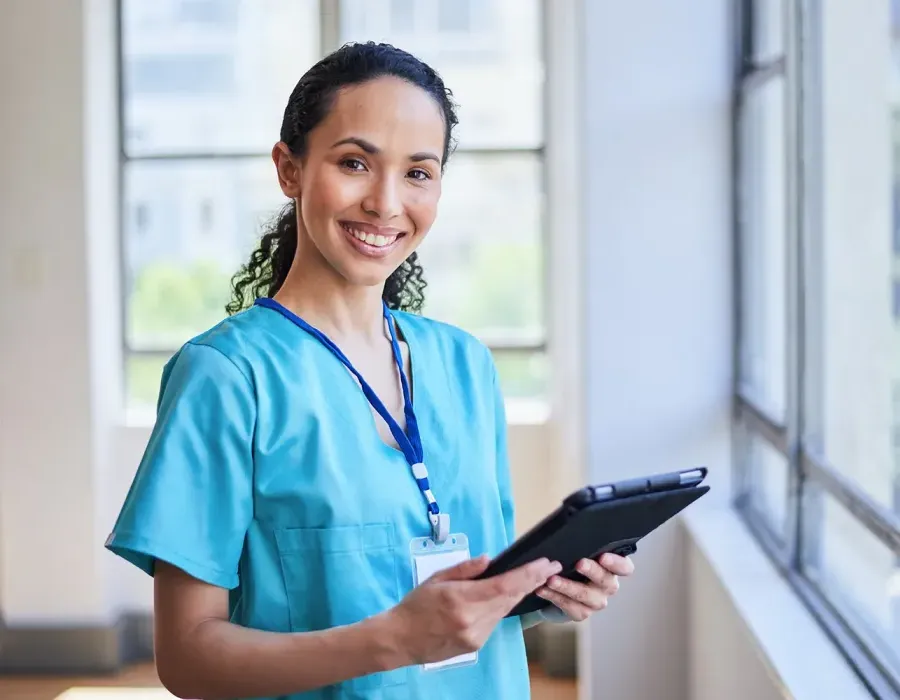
(450, 614)
(581, 600)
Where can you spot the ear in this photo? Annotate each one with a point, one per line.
(288, 168)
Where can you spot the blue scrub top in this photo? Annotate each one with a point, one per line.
(265, 475)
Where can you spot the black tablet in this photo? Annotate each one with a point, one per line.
(600, 519)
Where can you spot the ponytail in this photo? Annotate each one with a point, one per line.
(267, 269)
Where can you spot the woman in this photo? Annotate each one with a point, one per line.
(282, 500)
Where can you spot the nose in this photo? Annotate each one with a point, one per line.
(383, 199)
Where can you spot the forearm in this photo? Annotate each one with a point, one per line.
(224, 660)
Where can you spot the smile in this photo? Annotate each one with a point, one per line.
(370, 241)
(377, 240)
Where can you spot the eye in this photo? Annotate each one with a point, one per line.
(419, 174)
(353, 164)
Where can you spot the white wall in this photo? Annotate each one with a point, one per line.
(655, 182)
(55, 316)
(725, 660)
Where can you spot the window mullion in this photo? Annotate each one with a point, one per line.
(796, 328)
(810, 288)
(329, 26)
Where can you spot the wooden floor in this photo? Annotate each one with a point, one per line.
(141, 683)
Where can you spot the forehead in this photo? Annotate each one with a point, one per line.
(389, 112)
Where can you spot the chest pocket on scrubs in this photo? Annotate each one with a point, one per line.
(339, 576)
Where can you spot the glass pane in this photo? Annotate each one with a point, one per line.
(856, 571)
(768, 29)
(487, 51)
(523, 375)
(189, 226)
(483, 257)
(766, 480)
(189, 64)
(852, 336)
(763, 252)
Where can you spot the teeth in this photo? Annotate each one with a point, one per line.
(372, 239)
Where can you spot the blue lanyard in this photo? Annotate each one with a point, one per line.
(410, 442)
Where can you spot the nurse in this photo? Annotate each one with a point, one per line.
(327, 463)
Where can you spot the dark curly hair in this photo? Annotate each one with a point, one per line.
(308, 105)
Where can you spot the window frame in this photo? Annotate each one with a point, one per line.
(810, 477)
(507, 344)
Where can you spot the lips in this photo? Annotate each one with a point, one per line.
(370, 240)
(371, 235)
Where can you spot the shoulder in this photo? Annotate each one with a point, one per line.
(236, 336)
(454, 346)
(223, 353)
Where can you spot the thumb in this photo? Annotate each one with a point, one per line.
(464, 570)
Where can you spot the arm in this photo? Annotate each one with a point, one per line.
(185, 521)
(200, 654)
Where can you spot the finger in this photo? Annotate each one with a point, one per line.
(608, 582)
(588, 594)
(524, 579)
(464, 570)
(572, 608)
(621, 566)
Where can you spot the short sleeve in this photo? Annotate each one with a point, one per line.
(191, 500)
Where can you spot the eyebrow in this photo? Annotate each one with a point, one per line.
(372, 149)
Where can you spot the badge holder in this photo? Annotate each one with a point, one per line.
(428, 557)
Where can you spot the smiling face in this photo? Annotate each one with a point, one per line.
(369, 183)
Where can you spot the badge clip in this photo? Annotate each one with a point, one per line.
(440, 527)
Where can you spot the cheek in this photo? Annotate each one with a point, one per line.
(326, 196)
(422, 208)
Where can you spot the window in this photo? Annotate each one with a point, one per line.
(204, 87)
(188, 74)
(818, 413)
(448, 33)
(403, 16)
(208, 11)
(455, 15)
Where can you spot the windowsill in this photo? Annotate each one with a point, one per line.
(519, 412)
(800, 656)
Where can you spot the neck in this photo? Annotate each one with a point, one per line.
(322, 298)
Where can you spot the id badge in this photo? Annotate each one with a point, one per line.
(428, 558)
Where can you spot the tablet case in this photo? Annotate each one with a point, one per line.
(597, 520)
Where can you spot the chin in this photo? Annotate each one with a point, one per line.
(368, 280)
(368, 274)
